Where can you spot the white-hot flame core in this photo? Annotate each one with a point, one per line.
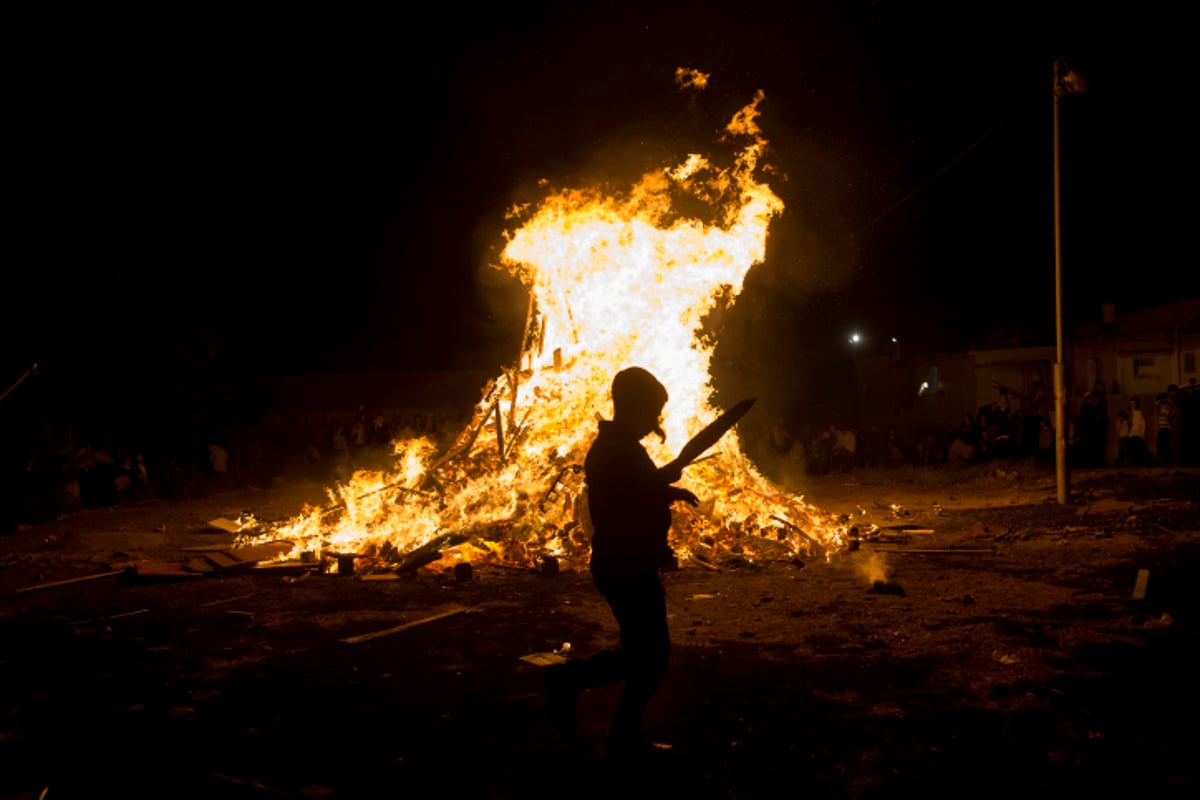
(615, 280)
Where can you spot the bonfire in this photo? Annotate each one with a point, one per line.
(615, 278)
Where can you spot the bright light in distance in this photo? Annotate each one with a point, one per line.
(855, 338)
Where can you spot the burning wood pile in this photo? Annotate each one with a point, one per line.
(614, 280)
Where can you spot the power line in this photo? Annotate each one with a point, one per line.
(946, 168)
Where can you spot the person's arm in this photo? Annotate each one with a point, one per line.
(679, 493)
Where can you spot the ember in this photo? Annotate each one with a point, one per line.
(614, 280)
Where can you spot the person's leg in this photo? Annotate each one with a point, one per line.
(639, 605)
(1164, 447)
(564, 682)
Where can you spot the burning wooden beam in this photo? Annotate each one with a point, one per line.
(797, 529)
(430, 551)
(499, 433)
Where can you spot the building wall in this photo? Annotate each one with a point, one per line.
(1026, 372)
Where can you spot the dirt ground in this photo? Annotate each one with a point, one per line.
(1001, 651)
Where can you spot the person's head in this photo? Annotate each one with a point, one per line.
(1134, 403)
(638, 400)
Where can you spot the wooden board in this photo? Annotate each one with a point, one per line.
(222, 560)
(366, 637)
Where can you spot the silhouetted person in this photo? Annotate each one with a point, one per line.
(629, 502)
(1123, 449)
(1175, 422)
(1046, 446)
(1090, 429)
(1031, 426)
(1189, 451)
(1138, 454)
(1162, 440)
(964, 447)
(218, 463)
(845, 448)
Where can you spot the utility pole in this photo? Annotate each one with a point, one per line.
(1066, 81)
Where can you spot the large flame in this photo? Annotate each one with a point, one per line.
(614, 280)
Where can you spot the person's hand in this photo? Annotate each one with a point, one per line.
(685, 496)
(671, 472)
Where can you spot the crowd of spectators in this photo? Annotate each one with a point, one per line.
(1103, 430)
(53, 466)
(366, 441)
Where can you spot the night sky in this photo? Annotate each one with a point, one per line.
(276, 193)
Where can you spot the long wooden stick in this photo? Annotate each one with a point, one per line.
(94, 620)
(500, 433)
(366, 637)
(797, 529)
(530, 316)
(514, 381)
(962, 550)
(37, 587)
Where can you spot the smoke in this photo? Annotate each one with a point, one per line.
(873, 568)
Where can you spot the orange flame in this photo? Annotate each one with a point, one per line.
(614, 280)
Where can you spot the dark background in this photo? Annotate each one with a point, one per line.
(206, 198)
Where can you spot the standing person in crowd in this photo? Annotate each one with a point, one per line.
(895, 447)
(339, 444)
(984, 433)
(1031, 425)
(1090, 429)
(358, 432)
(1046, 444)
(1162, 439)
(218, 464)
(1002, 405)
(1100, 445)
(1122, 439)
(1189, 406)
(1175, 423)
(1137, 433)
(845, 448)
(1101, 396)
(1000, 434)
(963, 447)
